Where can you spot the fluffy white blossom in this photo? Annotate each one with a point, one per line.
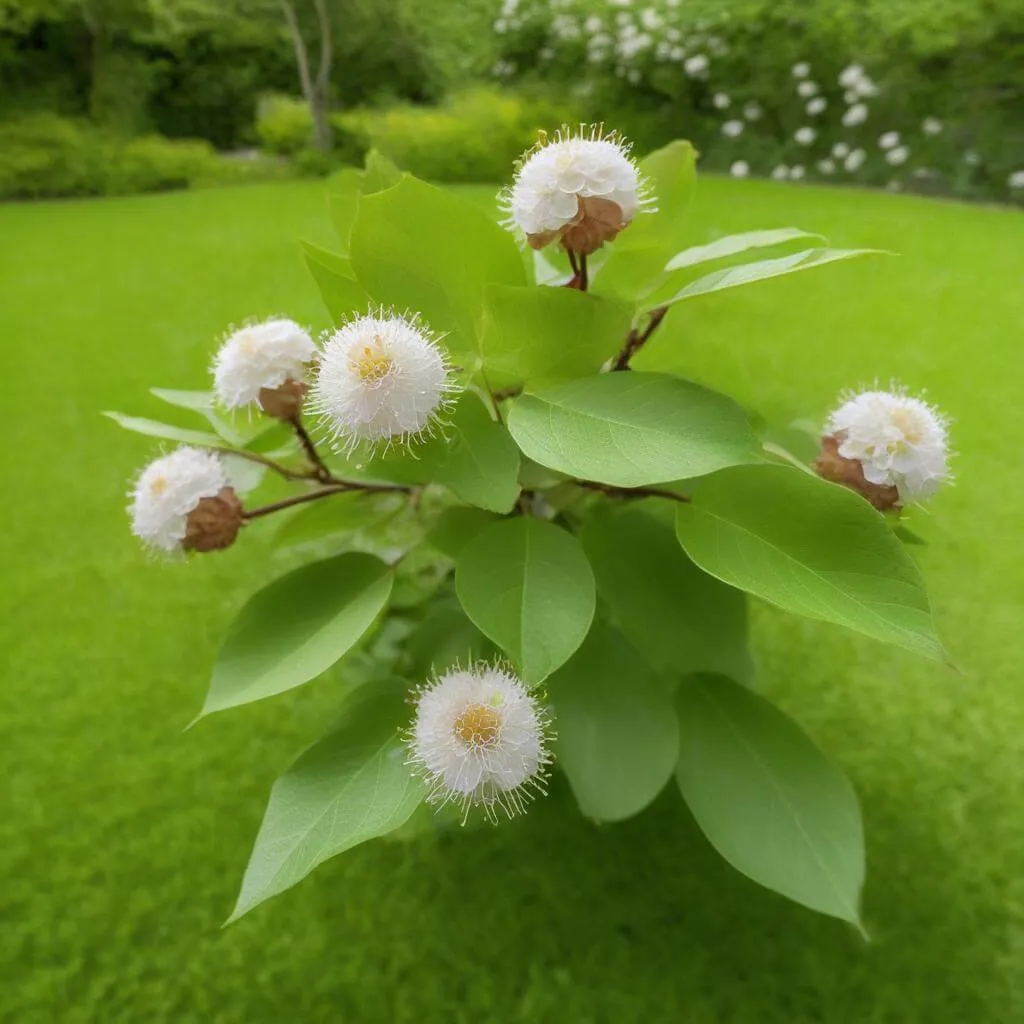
(887, 140)
(851, 96)
(720, 100)
(168, 489)
(557, 175)
(857, 114)
(380, 377)
(931, 126)
(796, 172)
(696, 66)
(739, 169)
(816, 106)
(827, 166)
(851, 76)
(866, 88)
(807, 88)
(1016, 180)
(897, 156)
(855, 160)
(780, 173)
(840, 149)
(900, 441)
(752, 111)
(732, 128)
(479, 739)
(800, 70)
(650, 19)
(593, 24)
(259, 356)
(805, 135)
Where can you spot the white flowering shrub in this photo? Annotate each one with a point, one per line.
(771, 87)
(520, 553)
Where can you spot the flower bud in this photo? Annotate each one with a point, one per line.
(214, 523)
(283, 402)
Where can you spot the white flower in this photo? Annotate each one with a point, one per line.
(827, 166)
(168, 489)
(740, 169)
(931, 126)
(677, 53)
(479, 739)
(558, 175)
(593, 24)
(866, 88)
(889, 139)
(751, 111)
(840, 149)
(259, 356)
(857, 114)
(380, 377)
(650, 19)
(800, 70)
(855, 160)
(697, 66)
(971, 158)
(816, 106)
(720, 100)
(851, 76)
(732, 128)
(807, 88)
(897, 156)
(796, 172)
(780, 173)
(899, 441)
(1016, 180)
(805, 135)
(851, 96)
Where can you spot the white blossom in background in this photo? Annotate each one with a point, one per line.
(740, 169)
(840, 149)
(899, 441)
(633, 76)
(796, 172)
(650, 19)
(800, 70)
(1016, 180)
(816, 106)
(721, 101)
(855, 160)
(807, 88)
(168, 489)
(752, 111)
(887, 140)
(381, 377)
(851, 96)
(866, 88)
(857, 114)
(971, 158)
(894, 185)
(479, 739)
(546, 53)
(851, 76)
(805, 135)
(696, 66)
(731, 129)
(897, 156)
(593, 24)
(719, 47)
(931, 126)
(258, 356)
(780, 173)
(500, 26)
(827, 166)
(677, 53)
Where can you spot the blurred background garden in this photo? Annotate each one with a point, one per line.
(123, 839)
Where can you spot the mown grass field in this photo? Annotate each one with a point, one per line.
(123, 840)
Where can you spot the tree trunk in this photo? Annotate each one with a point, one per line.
(315, 90)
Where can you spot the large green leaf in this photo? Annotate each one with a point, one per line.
(380, 173)
(344, 513)
(633, 429)
(343, 295)
(810, 547)
(421, 248)
(343, 190)
(478, 460)
(529, 587)
(202, 402)
(167, 431)
(748, 273)
(349, 787)
(547, 335)
(456, 527)
(297, 627)
(680, 617)
(618, 740)
(733, 245)
(767, 798)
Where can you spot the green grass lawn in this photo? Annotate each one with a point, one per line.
(123, 839)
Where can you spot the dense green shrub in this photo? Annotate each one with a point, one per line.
(284, 124)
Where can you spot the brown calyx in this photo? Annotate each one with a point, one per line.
(285, 401)
(832, 466)
(597, 221)
(214, 523)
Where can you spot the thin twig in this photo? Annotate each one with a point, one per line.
(339, 487)
(635, 340)
(320, 470)
(283, 471)
(584, 279)
(631, 492)
(510, 392)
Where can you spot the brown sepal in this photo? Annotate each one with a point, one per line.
(285, 401)
(832, 466)
(214, 523)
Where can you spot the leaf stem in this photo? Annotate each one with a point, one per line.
(635, 340)
(282, 471)
(631, 492)
(338, 487)
(320, 470)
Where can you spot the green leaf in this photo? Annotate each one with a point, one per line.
(167, 431)
(343, 295)
(682, 619)
(528, 586)
(767, 798)
(242, 474)
(381, 173)
(343, 191)
(618, 740)
(908, 536)
(297, 627)
(479, 462)
(444, 638)
(456, 527)
(547, 335)
(810, 547)
(421, 248)
(350, 786)
(748, 273)
(636, 264)
(343, 513)
(202, 402)
(633, 429)
(733, 245)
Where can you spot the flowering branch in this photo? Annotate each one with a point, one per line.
(320, 470)
(276, 467)
(635, 340)
(339, 487)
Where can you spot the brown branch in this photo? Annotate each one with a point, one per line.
(301, 54)
(320, 470)
(282, 471)
(631, 492)
(323, 72)
(340, 487)
(635, 340)
(510, 392)
(584, 278)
